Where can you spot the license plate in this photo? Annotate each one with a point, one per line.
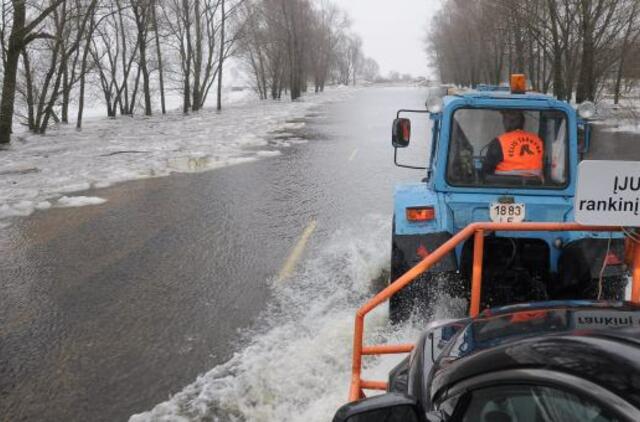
(507, 213)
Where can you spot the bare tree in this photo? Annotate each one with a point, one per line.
(565, 45)
(114, 56)
(369, 70)
(287, 43)
(223, 19)
(142, 12)
(22, 33)
(52, 50)
(630, 38)
(85, 62)
(156, 29)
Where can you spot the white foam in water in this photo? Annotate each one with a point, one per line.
(298, 368)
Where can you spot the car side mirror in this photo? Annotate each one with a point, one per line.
(401, 133)
(383, 408)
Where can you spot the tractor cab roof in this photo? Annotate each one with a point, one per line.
(501, 95)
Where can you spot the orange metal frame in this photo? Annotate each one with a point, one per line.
(477, 230)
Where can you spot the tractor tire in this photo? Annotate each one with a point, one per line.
(421, 295)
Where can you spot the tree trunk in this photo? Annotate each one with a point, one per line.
(186, 106)
(221, 60)
(196, 101)
(29, 83)
(16, 44)
(48, 111)
(83, 72)
(623, 55)
(134, 94)
(145, 77)
(586, 87)
(55, 69)
(124, 105)
(519, 48)
(556, 67)
(159, 53)
(141, 14)
(66, 94)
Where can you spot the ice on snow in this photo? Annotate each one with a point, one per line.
(39, 172)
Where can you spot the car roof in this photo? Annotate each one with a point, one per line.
(576, 337)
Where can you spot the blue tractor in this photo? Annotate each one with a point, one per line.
(461, 186)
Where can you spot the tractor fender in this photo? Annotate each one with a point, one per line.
(418, 195)
(408, 250)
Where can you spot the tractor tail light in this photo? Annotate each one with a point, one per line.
(418, 214)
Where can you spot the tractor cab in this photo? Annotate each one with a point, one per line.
(504, 156)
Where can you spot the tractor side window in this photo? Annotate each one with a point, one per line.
(508, 148)
(531, 403)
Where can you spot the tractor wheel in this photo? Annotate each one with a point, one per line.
(401, 304)
(420, 295)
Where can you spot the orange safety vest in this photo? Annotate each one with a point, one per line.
(522, 154)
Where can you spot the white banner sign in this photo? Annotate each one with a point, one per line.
(608, 193)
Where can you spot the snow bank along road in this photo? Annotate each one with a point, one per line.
(39, 172)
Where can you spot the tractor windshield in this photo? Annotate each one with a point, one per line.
(508, 148)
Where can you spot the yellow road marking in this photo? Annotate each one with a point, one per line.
(296, 253)
(353, 154)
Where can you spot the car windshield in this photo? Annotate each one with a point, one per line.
(531, 403)
(508, 148)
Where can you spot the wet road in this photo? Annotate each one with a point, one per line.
(106, 311)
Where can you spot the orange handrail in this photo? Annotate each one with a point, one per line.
(478, 230)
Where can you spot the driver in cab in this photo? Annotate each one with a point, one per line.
(516, 152)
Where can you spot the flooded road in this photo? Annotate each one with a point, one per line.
(222, 295)
(108, 310)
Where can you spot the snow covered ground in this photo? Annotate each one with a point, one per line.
(623, 117)
(40, 172)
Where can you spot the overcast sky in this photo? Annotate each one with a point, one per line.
(393, 31)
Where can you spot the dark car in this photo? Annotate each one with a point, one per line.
(540, 362)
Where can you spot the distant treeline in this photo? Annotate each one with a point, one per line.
(131, 53)
(290, 44)
(572, 48)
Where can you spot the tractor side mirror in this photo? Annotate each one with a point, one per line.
(386, 407)
(584, 138)
(401, 133)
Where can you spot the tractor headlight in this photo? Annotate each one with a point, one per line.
(587, 110)
(434, 104)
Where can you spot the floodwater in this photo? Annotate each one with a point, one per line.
(107, 311)
(176, 299)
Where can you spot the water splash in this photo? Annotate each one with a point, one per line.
(296, 366)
